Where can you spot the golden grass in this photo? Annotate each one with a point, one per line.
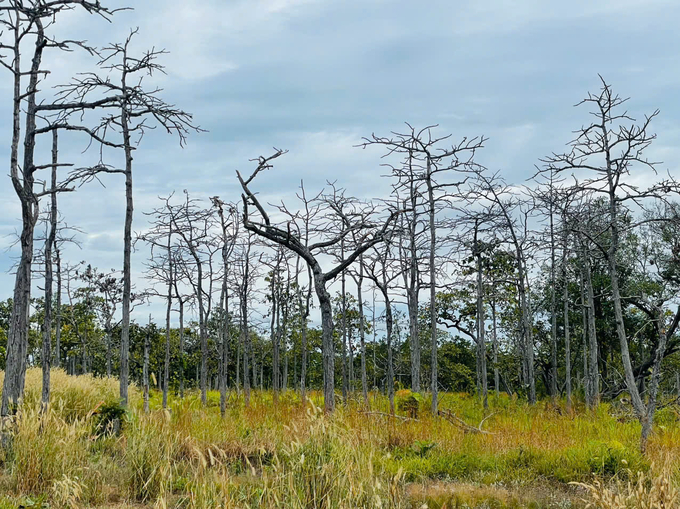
(295, 456)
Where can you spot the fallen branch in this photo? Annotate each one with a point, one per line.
(460, 423)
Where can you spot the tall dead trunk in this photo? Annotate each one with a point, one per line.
(303, 318)
(145, 367)
(433, 290)
(362, 333)
(226, 336)
(553, 307)
(17, 338)
(593, 369)
(168, 311)
(49, 244)
(496, 372)
(276, 368)
(527, 329)
(328, 350)
(181, 347)
(127, 250)
(57, 320)
(245, 340)
(412, 282)
(481, 341)
(345, 383)
(565, 303)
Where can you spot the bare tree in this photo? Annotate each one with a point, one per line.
(228, 234)
(193, 227)
(381, 271)
(134, 110)
(289, 236)
(605, 151)
(28, 23)
(431, 164)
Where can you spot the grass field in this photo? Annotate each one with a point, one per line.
(295, 456)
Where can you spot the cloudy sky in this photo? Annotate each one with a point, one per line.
(314, 76)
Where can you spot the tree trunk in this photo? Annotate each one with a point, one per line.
(57, 321)
(362, 334)
(345, 384)
(593, 370)
(433, 290)
(127, 247)
(496, 373)
(412, 292)
(168, 311)
(226, 336)
(553, 308)
(567, 339)
(390, 364)
(49, 243)
(245, 341)
(181, 347)
(327, 350)
(17, 338)
(481, 342)
(145, 368)
(303, 318)
(276, 377)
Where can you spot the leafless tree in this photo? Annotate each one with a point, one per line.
(605, 151)
(289, 236)
(381, 270)
(134, 109)
(28, 23)
(229, 229)
(432, 165)
(193, 226)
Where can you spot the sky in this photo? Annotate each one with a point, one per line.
(315, 76)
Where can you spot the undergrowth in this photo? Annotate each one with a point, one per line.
(294, 456)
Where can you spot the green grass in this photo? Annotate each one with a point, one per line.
(292, 455)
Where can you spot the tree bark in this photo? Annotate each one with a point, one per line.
(565, 303)
(145, 367)
(362, 334)
(433, 291)
(49, 244)
(481, 341)
(168, 311)
(345, 384)
(17, 338)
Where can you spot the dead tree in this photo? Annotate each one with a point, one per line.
(358, 277)
(245, 275)
(133, 110)
(369, 233)
(229, 230)
(49, 244)
(160, 268)
(431, 164)
(29, 23)
(109, 286)
(380, 269)
(193, 227)
(606, 151)
(512, 217)
(180, 276)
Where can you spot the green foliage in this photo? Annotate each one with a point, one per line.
(108, 416)
(409, 402)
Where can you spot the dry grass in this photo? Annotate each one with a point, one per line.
(294, 456)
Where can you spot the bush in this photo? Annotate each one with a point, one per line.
(408, 402)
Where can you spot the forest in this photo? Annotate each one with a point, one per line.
(462, 340)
